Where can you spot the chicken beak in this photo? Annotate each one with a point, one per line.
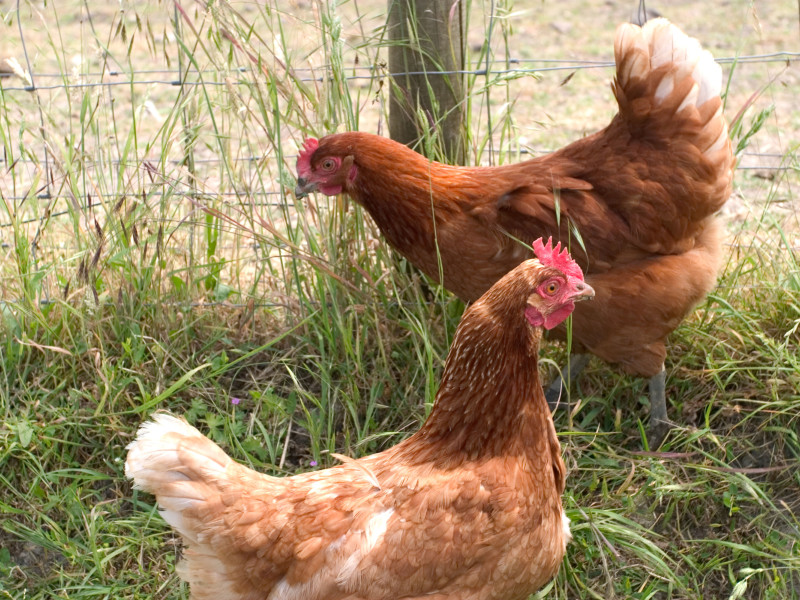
(304, 187)
(582, 291)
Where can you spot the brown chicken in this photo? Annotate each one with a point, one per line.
(642, 193)
(469, 507)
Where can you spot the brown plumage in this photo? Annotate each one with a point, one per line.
(642, 193)
(467, 508)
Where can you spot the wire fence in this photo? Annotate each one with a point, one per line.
(176, 78)
(32, 171)
(750, 160)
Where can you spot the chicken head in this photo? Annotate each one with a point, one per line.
(330, 174)
(554, 298)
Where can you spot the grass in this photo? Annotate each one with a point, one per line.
(165, 265)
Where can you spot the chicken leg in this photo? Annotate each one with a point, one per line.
(573, 368)
(659, 424)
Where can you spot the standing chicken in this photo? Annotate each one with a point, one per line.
(469, 507)
(642, 193)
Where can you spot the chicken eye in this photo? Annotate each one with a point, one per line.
(551, 288)
(328, 164)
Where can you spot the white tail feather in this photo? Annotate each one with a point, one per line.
(664, 44)
(641, 51)
(172, 460)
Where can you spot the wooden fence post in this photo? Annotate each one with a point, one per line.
(426, 37)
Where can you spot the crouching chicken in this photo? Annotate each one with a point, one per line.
(642, 193)
(469, 507)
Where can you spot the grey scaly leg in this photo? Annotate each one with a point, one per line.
(659, 424)
(576, 364)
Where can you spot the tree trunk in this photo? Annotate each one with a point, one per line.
(426, 40)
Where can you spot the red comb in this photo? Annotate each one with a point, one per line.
(304, 157)
(556, 258)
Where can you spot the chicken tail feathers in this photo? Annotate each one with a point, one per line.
(668, 91)
(193, 481)
(176, 463)
(662, 72)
